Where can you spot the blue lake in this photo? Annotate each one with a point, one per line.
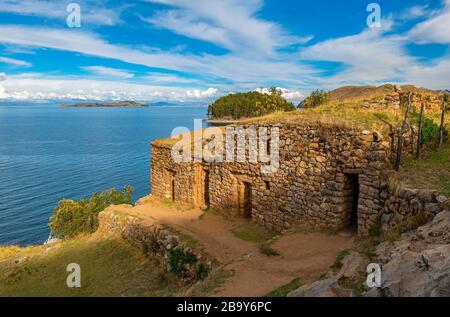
(49, 153)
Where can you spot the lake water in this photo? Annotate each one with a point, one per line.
(49, 153)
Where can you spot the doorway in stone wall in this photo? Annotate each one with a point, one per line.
(245, 199)
(351, 198)
(206, 202)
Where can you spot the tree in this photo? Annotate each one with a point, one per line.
(317, 98)
(249, 104)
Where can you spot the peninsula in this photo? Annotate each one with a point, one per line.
(105, 104)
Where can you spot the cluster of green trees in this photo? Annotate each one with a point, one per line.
(71, 217)
(317, 98)
(249, 104)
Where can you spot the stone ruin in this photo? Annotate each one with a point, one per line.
(328, 177)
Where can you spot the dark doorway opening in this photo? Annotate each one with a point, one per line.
(247, 200)
(173, 188)
(351, 191)
(206, 188)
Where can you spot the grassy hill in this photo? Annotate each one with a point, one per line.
(109, 267)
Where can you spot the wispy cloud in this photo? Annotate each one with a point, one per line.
(15, 62)
(90, 44)
(91, 13)
(108, 72)
(161, 78)
(258, 52)
(433, 30)
(230, 24)
(235, 67)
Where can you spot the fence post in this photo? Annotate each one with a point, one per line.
(441, 128)
(399, 149)
(419, 137)
(408, 108)
(398, 158)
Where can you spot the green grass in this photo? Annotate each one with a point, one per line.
(285, 289)
(338, 262)
(253, 233)
(185, 239)
(215, 280)
(266, 249)
(433, 171)
(109, 267)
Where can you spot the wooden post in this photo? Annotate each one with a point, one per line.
(399, 149)
(419, 137)
(407, 110)
(398, 158)
(441, 128)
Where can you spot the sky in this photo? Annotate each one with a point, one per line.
(198, 50)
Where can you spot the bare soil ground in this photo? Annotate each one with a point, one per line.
(303, 255)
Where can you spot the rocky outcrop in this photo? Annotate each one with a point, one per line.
(343, 284)
(417, 265)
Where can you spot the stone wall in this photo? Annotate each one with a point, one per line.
(157, 242)
(310, 187)
(408, 208)
(399, 97)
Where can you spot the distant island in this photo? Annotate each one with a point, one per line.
(105, 104)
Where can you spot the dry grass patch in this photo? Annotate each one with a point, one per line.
(253, 232)
(431, 172)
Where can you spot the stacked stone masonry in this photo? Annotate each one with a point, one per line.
(328, 177)
(156, 241)
(407, 208)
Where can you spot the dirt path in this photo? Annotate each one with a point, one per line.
(303, 255)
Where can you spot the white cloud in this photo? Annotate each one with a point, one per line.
(240, 69)
(434, 76)
(2, 92)
(436, 29)
(109, 72)
(368, 57)
(286, 93)
(415, 12)
(208, 93)
(162, 78)
(15, 62)
(231, 24)
(2, 76)
(91, 14)
(44, 87)
(89, 43)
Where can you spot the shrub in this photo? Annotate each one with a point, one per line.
(317, 98)
(430, 130)
(249, 104)
(178, 258)
(375, 228)
(202, 272)
(71, 217)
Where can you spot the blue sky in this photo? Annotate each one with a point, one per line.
(185, 50)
